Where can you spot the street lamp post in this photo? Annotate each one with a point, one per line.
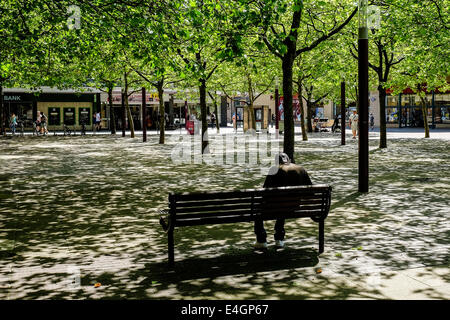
(144, 116)
(363, 85)
(277, 113)
(343, 112)
(123, 114)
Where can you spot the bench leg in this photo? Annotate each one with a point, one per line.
(171, 247)
(321, 236)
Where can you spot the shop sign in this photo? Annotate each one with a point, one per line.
(12, 98)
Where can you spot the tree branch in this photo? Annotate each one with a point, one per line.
(325, 37)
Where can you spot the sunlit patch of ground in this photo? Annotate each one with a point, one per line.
(91, 203)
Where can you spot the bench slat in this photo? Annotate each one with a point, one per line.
(274, 210)
(248, 193)
(223, 208)
(215, 220)
(248, 201)
(186, 216)
(199, 203)
(194, 221)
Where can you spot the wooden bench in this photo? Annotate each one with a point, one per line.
(207, 208)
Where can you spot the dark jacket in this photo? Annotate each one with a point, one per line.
(288, 175)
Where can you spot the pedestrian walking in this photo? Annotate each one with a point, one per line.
(98, 121)
(37, 124)
(353, 119)
(43, 123)
(13, 123)
(234, 122)
(372, 121)
(213, 120)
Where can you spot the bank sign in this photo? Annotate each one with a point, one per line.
(12, 98)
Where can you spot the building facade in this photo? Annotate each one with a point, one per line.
(68, 107)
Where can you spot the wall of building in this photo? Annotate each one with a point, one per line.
(76, 107)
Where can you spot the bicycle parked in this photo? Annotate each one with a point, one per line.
(20, 127)
(36, 128)
(67, 130)
(83, 127)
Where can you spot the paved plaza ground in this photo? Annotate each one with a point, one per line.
(87, 208)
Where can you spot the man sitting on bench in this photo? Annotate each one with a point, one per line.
(286, 174)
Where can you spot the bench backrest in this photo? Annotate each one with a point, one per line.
(245, 205)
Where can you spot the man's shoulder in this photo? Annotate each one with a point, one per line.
(292, 167)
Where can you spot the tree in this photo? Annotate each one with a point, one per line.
(385, 44)
(281, 23)
(426, 63)
(205, 34)
(28, 31)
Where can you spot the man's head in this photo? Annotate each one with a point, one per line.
(354, 111)
(283, 158)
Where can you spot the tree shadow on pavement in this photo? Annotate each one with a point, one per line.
(244, 262)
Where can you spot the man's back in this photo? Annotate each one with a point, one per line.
(289, 174)
(285, 175)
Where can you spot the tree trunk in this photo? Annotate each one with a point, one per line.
(203, 111)
(215, 111)
(425, 116)
(302, 111)
(251, 109)
(161, 111)
(287, 65)
(127, 106)
(382, 97)
(217, 116)
(309, 115)
(112, 120)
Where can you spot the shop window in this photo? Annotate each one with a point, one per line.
(84, 115)
(69, 116)
(444, 114)
(391, 115)
(392, 101)
(54, 116)
(408, 100)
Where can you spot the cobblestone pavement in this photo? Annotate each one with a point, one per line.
(81, 210)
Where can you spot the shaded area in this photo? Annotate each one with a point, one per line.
(91, 202)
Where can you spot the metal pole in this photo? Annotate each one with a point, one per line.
(277, 113)
(2, 112)
(123, 115)
(343, 113)
(185, 114)
(363, 73)
(144, 116)
(433, 112)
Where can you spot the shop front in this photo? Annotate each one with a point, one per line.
(261, 114)
(60, 106)
(405, 110)
(135, 105)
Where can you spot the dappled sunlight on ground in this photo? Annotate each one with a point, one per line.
(92, 203)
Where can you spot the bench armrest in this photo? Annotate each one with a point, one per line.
(164, 220)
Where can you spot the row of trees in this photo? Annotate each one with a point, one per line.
(223, 45)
